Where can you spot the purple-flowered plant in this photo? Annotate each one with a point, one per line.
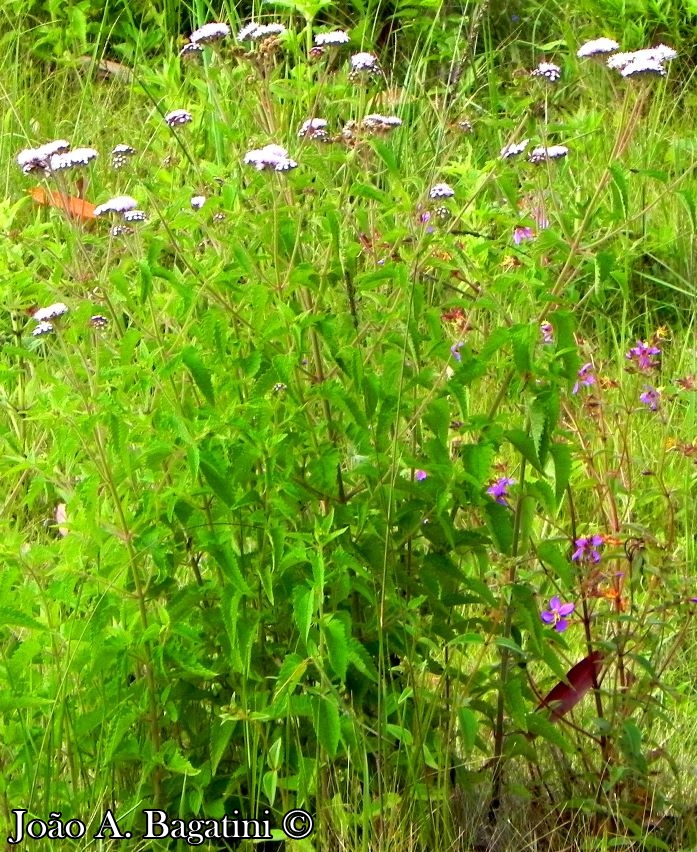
(547, 332)
(455, 350)
(643, 355)
(557, 613)
(521, 234)
(651, 397)
(420, 475)
(586, 377)
(587, 549)
(499, 489)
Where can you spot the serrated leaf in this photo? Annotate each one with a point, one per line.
(553, 556)
(303, 609)
(199, 372)
(561, 456)
(541, 727)
(327, 727)
(337, 646)
(15, 618)
(525, 446)
(500, 522)
(513, 696)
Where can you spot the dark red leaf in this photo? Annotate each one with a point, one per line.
(566, 694)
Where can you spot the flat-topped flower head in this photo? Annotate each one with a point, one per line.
(270, 156)
(134, 216)
(648, 55)
(178, 117)
(209, 33)
(556, 615)
(514, 149)
(198, 201)
(644, 68)
(314, 128)
(71, 159)
(376, 123)
(258, 32)
(57, 309)
(121, 154)
(548, 70)
(441, 190)
(43, 328)
(191, 50)
(332, 39)
(542, 153)
(643, 355)
(364, 65)
(597, 47)
(99, 321)
(119, 204)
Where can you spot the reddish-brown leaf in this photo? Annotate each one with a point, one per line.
(78, 208)
(566, 694)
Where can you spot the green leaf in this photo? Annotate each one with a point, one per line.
(199, 372)
(513, 695)
(551, 555)
(561, 456)
(500, 522)
(525, 446)
(537, 724)
(327, 727)
(303, 609)
(16, 618)
(337, 646)
(468, 728)
(212, 469)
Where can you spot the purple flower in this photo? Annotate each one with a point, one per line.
(651, 397)
(499, 490)
(556, 614)
(643, 355)
(587, 549)
(455, 350)
(586, 377)
(420, 475)
(521, 234)
(547, 331)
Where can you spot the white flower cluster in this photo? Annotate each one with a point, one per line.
(649, 60)
(363, 65)
(54, 157)
(124, 205)
(314, 128)
(120, 155)
(119, 204)
(209, 33)
(43, 317)
(270, 157)
(548, 70)
(514, 149)
(542, 153)
(178, 117)
(376, 123)
(597, 47)
(332, 39)
(441, 190)
(258, 32)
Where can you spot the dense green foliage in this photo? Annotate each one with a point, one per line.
(287, 528)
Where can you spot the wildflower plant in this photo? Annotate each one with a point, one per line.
(340, 484)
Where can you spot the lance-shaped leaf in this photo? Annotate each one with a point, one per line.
(566, 694)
